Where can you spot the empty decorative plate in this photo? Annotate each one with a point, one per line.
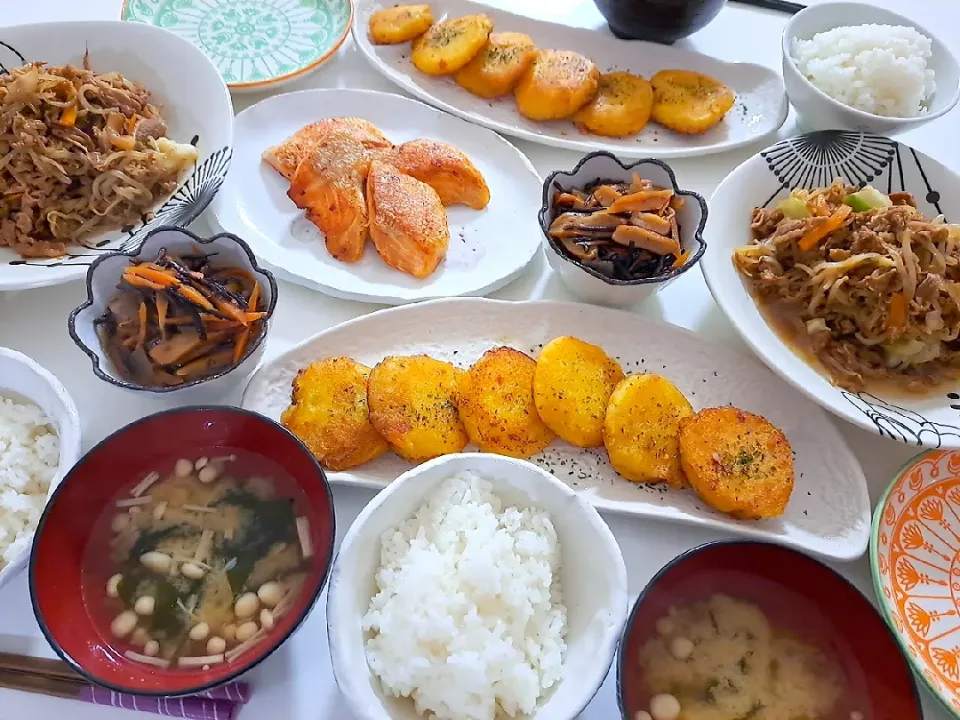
(253, 43)
(194, 106)
(915, 556)
(930, 419)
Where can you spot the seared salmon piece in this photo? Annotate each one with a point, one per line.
(285, 157)
(446, 170)
(408, 224)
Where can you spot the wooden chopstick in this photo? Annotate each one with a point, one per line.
(41, 667)
(779, 5)
(42, 684)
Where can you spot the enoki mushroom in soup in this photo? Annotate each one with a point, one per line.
(198, 560)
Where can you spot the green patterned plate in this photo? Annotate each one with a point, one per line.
(254, 43)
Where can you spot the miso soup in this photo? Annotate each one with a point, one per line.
(197, 561)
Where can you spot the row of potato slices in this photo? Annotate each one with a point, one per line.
(551, 84)
(510, 404)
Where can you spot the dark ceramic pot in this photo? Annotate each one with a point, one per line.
(663, 21)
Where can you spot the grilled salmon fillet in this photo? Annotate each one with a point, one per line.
(329, 185)
(408, 224)
(285, 157)
(445, 169)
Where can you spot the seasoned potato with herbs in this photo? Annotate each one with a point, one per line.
(498, 67)
(689, 102)
(449, 45)
(558, 84)
(737, 462)
(641, 429)
(496, 404)
(413, 405)
(399, 24)
(621, 106)
(571, 388)
(329, 413)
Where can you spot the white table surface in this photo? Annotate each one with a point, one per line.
(296, 682)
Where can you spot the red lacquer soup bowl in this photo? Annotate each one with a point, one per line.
(78, 629)
(801, 598)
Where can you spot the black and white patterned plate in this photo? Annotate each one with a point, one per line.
(815, 160)
(193, 100)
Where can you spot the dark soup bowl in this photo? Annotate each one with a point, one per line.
(182, 550)
(663, 21)
(740, 625)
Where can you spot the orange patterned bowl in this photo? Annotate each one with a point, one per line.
(915, 556)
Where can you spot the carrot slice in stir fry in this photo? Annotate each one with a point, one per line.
(833, 223)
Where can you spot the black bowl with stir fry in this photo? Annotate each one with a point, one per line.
(182, 550)
(616, 232)
(180, 312)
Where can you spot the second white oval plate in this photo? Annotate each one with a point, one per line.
(828, 514)
(488, 248)
(761, 106)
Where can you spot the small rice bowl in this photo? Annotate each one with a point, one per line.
(29, 457)
(879, 69)
(468, 620)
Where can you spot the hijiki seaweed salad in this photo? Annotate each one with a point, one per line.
(179, 319)
(623, 230)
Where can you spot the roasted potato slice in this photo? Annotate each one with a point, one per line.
(558, 84)
(496, 404)
(621, 106)
(413, 405)
(737, 462)
(689, 102)
(449, 45)
(571, 388)
(329, 413)
(641, 429)
(498, 67)
(399, 24)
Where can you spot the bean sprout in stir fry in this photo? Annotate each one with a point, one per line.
(81, 153)
(864, 280)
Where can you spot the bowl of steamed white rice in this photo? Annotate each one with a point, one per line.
(475, 587)
(39, 443)
(853, 66)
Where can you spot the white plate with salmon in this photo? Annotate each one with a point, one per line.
(374, 197)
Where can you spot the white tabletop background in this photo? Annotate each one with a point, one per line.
(296, 682)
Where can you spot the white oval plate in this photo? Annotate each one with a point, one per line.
(828, 514)
(194, 103)
(810, 161)
(760, 110)
(488, 248)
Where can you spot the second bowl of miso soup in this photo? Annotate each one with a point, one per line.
(182, 550)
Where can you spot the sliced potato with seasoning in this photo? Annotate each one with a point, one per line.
(497, 407)
(449, 45)
(737, 462)
(498, 67)
(621, 107)
(329, 413)
(557, 84)
(571, 388)
(641, 429)
(689, 102)
(399, 24)
(412, 403)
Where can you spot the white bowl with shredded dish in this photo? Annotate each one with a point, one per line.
(475, 585)
(855, 66)
(39, 443)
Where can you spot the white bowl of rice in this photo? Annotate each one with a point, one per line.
(475, 586)
(39, 443)
(853, 66)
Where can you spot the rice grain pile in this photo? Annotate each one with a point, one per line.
(880, 69)
(468, 620)
(29, 456)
